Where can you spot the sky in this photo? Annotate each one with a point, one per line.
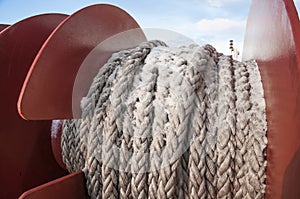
(204, 21)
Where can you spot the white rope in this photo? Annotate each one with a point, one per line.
(161, 122)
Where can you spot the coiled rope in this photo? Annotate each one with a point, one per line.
(161, 122)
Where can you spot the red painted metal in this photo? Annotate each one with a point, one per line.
(273, 39)
(25, 150)
(53, 75)
(3, 26)
(71, 186)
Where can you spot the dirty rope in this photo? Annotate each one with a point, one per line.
(162, 122)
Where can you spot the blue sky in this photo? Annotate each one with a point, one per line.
(204, 21)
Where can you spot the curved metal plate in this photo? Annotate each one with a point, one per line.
(3, 26)
(70, 186)
(25, 150)
(273, 39)
(48, 90)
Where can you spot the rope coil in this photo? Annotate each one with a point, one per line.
(161, 122)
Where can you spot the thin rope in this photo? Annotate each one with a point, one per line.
(162, 122)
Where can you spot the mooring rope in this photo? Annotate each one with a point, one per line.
(162, 122)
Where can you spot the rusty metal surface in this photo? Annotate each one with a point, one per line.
(272, 38)
(71, 186)
(50, 82)
(25, 146)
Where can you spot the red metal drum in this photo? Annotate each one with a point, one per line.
(25, 146)
(273, 39)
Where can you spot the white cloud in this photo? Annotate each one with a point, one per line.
(220, 3)
(219, 26)
(214, 26)
(216, 32)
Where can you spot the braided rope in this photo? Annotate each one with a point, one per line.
(113, 122)
(226, 131)
(162, 122)
(211, 104)
(256, 142)
(159, 131)
(71, 146)
(243, 106)
(197, 186)
(96, 100)
(178, 129)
